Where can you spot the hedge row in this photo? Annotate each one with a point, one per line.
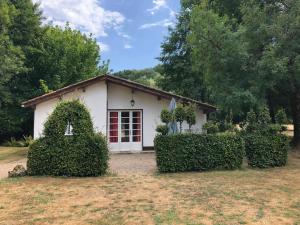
(265, 151)
(198, 152)
(72, 157)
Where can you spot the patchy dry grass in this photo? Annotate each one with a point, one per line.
(247, 196)
(10, 154)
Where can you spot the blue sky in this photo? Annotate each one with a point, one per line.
(129, 32)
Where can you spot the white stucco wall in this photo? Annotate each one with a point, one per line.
(119, 98)
(94, 97)
(101, 96)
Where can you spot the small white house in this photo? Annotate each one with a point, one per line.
(125, 111)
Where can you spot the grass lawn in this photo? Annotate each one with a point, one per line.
(10, 154)
(247, 196)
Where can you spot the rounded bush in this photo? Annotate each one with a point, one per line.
(84, 153)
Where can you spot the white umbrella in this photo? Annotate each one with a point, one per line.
(172, 125)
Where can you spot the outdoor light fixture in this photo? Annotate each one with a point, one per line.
(132, 102)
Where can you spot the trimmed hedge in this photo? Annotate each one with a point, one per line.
(265, 151)
(198, 152)
(84, 153)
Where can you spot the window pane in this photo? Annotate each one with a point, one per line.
(136, 132)
(113, 133)
(113, 120)
(125, 120)
(125, 139)
(113, 139)
(125, 126)
(125, 133)
(136, 120)
(136, 114)
(136, 126)
(113, 114)
(124, 114)
(113, 127)
(136, 138)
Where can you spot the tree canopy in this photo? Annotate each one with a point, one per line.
(245, 53)
(35, 58)
(149, 76)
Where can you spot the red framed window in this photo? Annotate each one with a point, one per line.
(136, 126)
(113, 127)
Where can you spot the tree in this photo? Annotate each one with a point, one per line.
(149, 76)
(66, 56)
(178, 75)
(180, 115)
(11, 66)
(259, 54)
(190, 115)
(36, 58)
(280, 61)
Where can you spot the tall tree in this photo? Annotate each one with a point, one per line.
(11, 66)
(32, 53)
(259, 55)
(177, 71)
(65, 56)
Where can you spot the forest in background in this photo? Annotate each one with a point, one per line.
(239, 55)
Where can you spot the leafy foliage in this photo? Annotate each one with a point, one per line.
(82, 154)
(251, 54)
(190, 115)
(162, 129)
(24, 142)
(30, 53)
(281, 117)
(178, 74)
(265, 151)
(211, 127)
(149, 76)
(265, 146)
(166, 116)
(180, 115)
(195, 152)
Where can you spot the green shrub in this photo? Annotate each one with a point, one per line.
(82, 154)
(180, 115)
(265, 151)
(211, 127)
(190, 115)
(198, 152)
(162, 129)
(281, 117)
(24, 142)
(166, 116)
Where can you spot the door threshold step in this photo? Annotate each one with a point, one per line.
(132, 152)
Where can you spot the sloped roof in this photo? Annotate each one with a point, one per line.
(116, 80)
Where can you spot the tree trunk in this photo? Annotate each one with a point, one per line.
(295, 101)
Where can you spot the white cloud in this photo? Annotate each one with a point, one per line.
(103, 47)
(158, 4)
(85, 15)
(127, 46)
(161, 23)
